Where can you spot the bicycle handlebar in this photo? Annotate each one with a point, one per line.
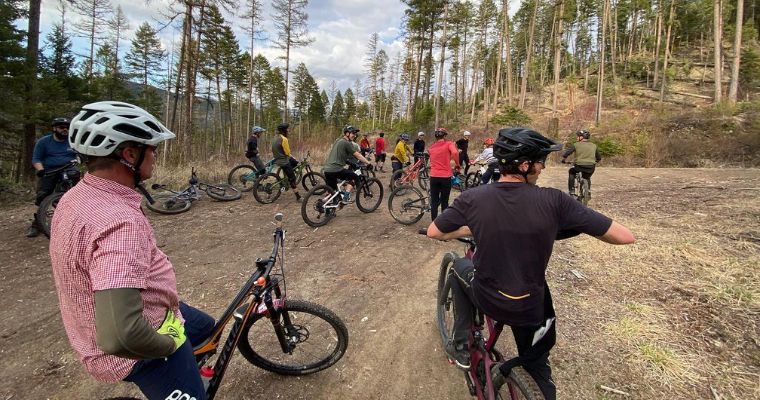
(467, 239)
(61, 168)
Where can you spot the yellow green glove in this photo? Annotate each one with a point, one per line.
(172, 327)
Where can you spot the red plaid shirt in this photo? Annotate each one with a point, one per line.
(101, 240)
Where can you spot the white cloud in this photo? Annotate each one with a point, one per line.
(340, 29)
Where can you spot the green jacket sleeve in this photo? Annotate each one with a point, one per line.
(121, 329)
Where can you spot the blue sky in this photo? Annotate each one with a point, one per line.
(340, 28)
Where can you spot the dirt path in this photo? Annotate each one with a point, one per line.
(621, 325)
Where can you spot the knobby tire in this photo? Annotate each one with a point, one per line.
(369, 195)
(312, 179)
(313, 322)
(267, 188)
(168, 203)
(406, 204)
(223, 192)
(520, 385)
(445, 299)
(312, 206)
(243, 177)
(45, 212)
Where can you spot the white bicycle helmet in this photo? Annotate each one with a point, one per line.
(100, 127)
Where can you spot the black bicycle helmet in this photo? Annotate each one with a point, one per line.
(283, 127)
(350, 129)
(61, 122)
(585, 134)
(381, 134)
(440, 132)
(515, 145)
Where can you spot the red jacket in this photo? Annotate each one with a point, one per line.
(442, 153)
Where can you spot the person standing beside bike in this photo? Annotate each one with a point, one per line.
(419, 146)
(117, 290)
(283, 159)
(341, 152)
(380, 152)
(462, 145)
(400, 153)
(442, 152)
(252, 149)
(50, 152)
(515, 223)
(585, 160)
(364, 144)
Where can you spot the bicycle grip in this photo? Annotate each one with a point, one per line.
(156, 186)
(422, 231)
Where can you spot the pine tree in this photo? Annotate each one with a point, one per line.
(274, 94)
(61, 61)
(260, 68)
(12, 81)
(349, 112)
(118, 24)
(145, 61)
(337, 111)
(95, 15)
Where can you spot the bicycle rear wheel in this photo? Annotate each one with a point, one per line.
(424, 178)
(319, 206)
(369, 195)
(45, 212)
(267, 188)
(312, 179)
(445, 302)
(223, 192)
(321, 340)
(242, 177)
(520, 385)
(168, 203)
(406, 204)
(585, 194)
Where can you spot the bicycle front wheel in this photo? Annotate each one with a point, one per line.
(472, 180)
(267, 188)
(45, 212)
(312, 179)
(320, 338)
(242, 177)
(319, 206)
(397, 179)
(223, 192)
(445, 303)
(370, 195)
(520, 385)
(406, 204)
(168, 203)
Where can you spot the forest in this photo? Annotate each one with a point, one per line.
(691, 66)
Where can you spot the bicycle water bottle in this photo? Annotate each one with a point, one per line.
(206, 374)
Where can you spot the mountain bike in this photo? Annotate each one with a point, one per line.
(167, 201)
(475, 178)
(69, 177)
(268, 187)
(419, 171)
(243, 177)
(484, 333)
(307, 337)
(582, 188)
(322, 202)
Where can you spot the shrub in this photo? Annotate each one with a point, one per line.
(511, 116)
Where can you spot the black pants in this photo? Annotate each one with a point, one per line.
(440, 189)
(533, 357)
(258, 164)
(464, 161)
(585, 170)
(289, 171)
(491, 174)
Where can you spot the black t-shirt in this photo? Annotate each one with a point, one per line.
(253, 146)
(515, 226)
(419, 146)
(462, 144)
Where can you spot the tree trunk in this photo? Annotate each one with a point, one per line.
(557, 55)
(734, 88)
(508, 49)
(30, 89)
(660, 16)
(600, 75)
(667, 52)
(718, 39)
(528, 53)
(439, 80)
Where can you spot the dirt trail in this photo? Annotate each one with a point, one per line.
(379, 277)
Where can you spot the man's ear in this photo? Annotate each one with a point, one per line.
(129, 154)
(524, 167)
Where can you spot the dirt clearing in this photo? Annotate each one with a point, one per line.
(674, 316)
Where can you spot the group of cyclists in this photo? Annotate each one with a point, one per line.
(117, 290)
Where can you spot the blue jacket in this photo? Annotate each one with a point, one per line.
(52, 153)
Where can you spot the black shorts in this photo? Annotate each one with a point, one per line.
(380, 157)
(332, 178)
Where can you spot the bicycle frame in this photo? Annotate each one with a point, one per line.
(267, 298)
(413, 171)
